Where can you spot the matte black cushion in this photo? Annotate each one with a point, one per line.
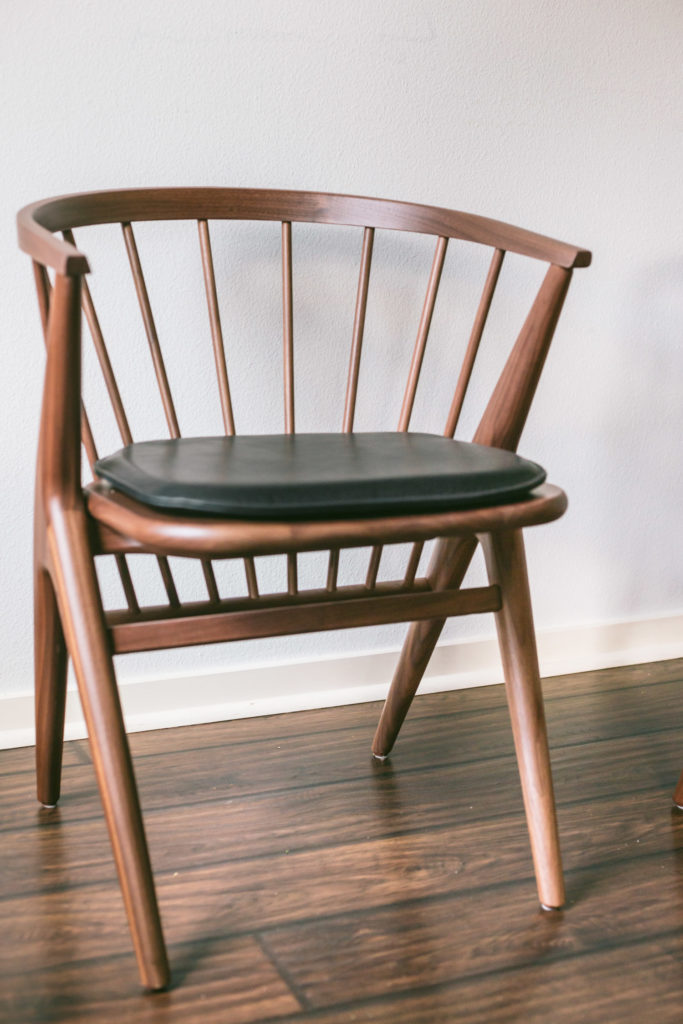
(318, 475)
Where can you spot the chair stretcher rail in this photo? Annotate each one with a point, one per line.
(283, 614)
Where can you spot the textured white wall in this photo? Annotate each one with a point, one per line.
(564, 118)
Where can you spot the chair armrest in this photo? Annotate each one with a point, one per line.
(36, 239)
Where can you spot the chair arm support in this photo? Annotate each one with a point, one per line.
(59, 446)
(37, 240)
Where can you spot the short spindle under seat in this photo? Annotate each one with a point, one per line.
(240, 495)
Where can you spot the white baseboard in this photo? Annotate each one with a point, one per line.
(161, 703)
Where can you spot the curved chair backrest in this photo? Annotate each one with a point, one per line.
(38, 222)
(46, 233)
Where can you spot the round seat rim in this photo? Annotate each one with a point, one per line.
(123, 524)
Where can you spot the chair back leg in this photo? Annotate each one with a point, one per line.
(506, 565)
(417, 649)
(449, 565)
(82, 616)
(50, 662)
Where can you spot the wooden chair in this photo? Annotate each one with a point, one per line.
(75, 524)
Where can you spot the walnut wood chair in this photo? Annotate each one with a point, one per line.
(240, 497)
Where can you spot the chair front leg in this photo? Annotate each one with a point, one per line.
(50, 665)
(506, 564)
(82, 617)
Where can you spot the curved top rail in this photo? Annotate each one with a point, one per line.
(37, 222)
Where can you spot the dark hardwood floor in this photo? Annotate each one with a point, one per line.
(301, 881)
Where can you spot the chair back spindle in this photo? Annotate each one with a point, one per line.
(423, 333)
(288, 367)
(358, 329)
(288, 326)
(473, 343)
(332, 571)
(150, 329)
(103, 356)
(410, 392)
(216, 331)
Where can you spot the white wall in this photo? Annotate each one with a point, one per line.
(564, 118)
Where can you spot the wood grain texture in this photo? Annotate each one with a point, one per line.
(256, 821)
(506, 565)
(36, 222)
(508, 408)
(102, 353)
(474, 342)
(216, 329)
(417, 649)
(150, 330)
(344, 887)
(235, 982)
(258, 817)
(314, 885)
(422, 333)
(358, 330)
(50, 666)
(236, 620)
(251, 766)
(73, 573)
(123, 524)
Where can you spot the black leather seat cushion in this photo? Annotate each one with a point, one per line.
(318, 475)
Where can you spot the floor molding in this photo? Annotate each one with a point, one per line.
(165, 702)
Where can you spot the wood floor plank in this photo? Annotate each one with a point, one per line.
(477, 933)
(300, 881)
(223, 772)
(64, 852)
(287, 888)
(629, 985)
(233, 981)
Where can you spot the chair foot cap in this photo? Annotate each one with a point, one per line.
(679, 806)
(48, 807)
(546, 906)
(379, 757)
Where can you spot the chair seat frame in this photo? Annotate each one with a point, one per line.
(74, 525)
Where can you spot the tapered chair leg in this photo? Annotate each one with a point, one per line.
(506, 564)
(82, 619)
(678, 793)
(50, 661)
(417, 650)
(448, 568)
